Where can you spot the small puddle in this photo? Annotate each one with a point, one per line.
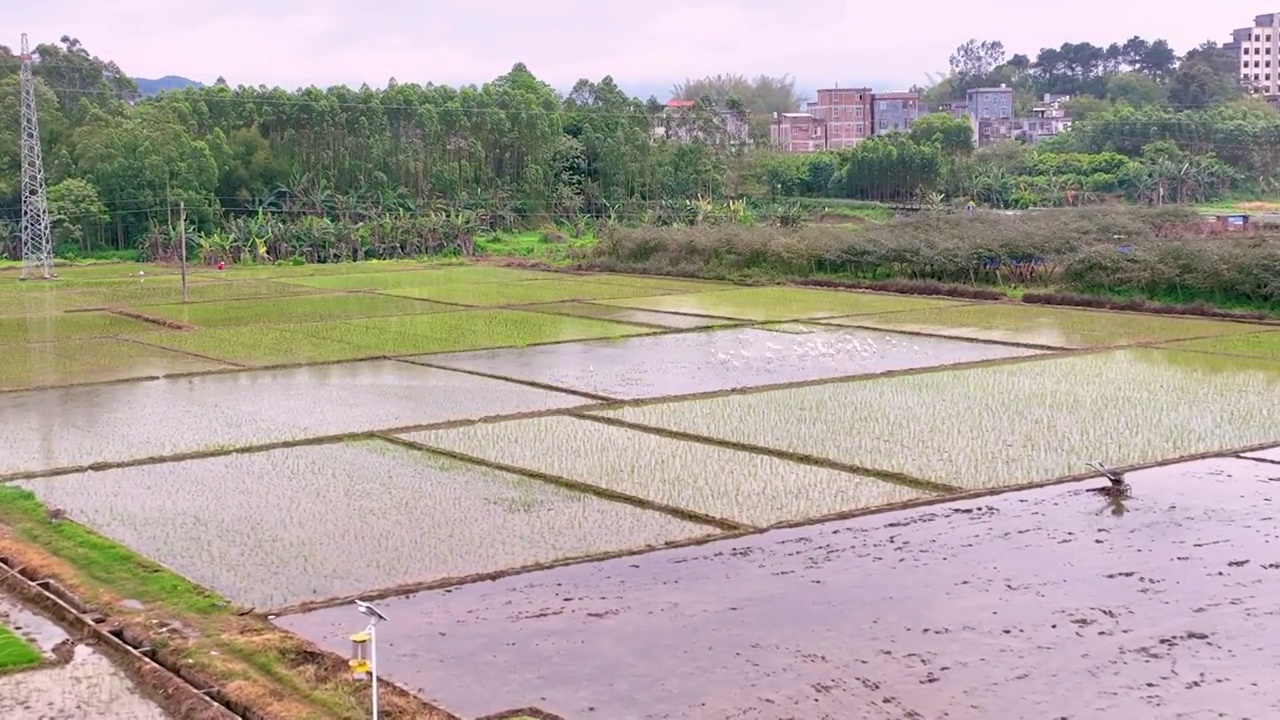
(1044, 603)
(41, 632)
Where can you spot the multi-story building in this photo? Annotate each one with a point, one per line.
(1258, 53)
(798, 133)
(894, 111)
(989, 103)
(847, 113)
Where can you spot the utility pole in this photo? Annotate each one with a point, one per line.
(37, 247)
(182, 238)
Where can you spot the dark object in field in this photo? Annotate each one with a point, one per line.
(56, 514)
(1118, 487)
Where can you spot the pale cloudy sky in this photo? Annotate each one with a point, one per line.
(643, 45)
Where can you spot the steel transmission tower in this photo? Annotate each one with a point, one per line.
(37, 247)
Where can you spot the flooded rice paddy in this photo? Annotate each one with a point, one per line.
(1046, 603)
(774, 303)
(1262, 344)
(529, 292)
(745, 488)
(70, 427)
(280, 527)
(1007, 424)
(719, 360)
(89, 361)
(628, 315)
(430, 332)
(307, 308)
(1053, 327)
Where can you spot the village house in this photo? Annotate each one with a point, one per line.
(843, 117)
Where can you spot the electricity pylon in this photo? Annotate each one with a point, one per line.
(37, 246)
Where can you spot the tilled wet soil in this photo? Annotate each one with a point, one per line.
(1049, 603)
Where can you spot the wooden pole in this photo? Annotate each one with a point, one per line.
(182, 238)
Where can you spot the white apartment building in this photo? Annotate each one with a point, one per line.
(1258, 51)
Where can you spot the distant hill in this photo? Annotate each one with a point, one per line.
(168, 82)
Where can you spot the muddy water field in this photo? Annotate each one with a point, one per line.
(1048, 603)
(645, 497)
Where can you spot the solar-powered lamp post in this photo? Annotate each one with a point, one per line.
(364, 650)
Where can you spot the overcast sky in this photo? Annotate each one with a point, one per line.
(646, 44)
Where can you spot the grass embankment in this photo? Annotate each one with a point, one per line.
(1123, 258)
(16, 653)
(253, 663)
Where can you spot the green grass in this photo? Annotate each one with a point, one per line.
(308, 308)
(532, 292)
(780, 303)
(16, 653)
(106, 563)
(550, 246)
(1262, 345)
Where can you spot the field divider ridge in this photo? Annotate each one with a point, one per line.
(604, 493)
(413, 588)
(888, 476)
(1268, 461)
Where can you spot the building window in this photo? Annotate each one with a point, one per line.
(857, 111)
(1255, 63)
(858, 130)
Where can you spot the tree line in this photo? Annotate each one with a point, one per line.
(412, 168)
